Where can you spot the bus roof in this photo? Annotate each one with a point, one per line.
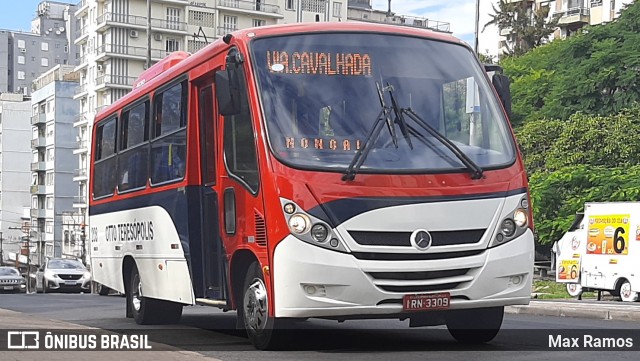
(174, 64)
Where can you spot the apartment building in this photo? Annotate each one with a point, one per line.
(53, 162)
(572, 15)
(25, 55)
(15, 175)
(361, 10)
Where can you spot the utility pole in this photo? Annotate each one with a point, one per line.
(475, 47)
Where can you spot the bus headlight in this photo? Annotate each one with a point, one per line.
(299, 223)
(508, 227)
(319, 232)
(520, 217)
(311, 229)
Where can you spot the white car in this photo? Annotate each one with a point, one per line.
(63, 274)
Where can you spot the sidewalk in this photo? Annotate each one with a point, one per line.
(601, 310)
(22, 321)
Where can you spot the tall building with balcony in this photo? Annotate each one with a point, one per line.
(26, 55)
(361, 10)
(53, 164)
(574, 14)
(15, 175)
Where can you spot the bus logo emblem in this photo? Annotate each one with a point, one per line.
(421, 239)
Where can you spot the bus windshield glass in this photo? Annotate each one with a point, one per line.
(324, 94)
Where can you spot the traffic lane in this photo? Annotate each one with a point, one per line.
(212, 332)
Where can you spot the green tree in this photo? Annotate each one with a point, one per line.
(529, 27)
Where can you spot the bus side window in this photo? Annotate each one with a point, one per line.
(104, 181)
(133, 157)
(168, 148)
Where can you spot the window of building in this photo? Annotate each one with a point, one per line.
(49, 202)
(258, 22)
(337, 9)
(21, 75)
(48, 227)
(168, 147)
(49, 178)
(50, 155)
(44, 61)
(57, 45)
(21, 59)
(172, 45)
(290, 5)
(314, 6)
(21, 44)
(66, 48)
(230, 23)
(44, 46)
(173, 18)
(201, 18)
(33, 58)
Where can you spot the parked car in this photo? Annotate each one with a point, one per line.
(63, 274)
(11, 280)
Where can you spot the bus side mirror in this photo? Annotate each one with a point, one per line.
(228, 92)
(502, 84)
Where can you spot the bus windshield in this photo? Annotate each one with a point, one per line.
(322, 95)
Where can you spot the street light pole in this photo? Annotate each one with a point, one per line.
(475, 47)
(1, 252)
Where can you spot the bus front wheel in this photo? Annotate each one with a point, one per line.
(475, 326)
(261, 329)
(148, 311)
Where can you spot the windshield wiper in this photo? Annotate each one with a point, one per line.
(475, 169)
(361, 155)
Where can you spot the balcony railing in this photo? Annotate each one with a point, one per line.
(575, 11)
(82, 144)
(80, 200)
(169, 25)
(80, 119)
(125, 50)
(250, 5)
(111, 79)
(38, 142)
(122, 19)
(82, 88)
(38, 213)
(36, 166)
(38, 189)
(82, 172)
(38, 118)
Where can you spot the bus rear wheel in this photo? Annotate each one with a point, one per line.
(149, 311)
(475, 326)
(263, 330)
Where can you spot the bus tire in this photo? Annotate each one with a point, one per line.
(149, 311)
(261, 328)
(476, 325)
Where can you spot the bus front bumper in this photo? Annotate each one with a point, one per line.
(310, 281)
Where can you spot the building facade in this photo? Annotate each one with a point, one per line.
(361, 10)
(53, 160)
(26, 55)
(572, 15)
(15, 174)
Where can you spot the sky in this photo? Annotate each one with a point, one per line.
(17, 14)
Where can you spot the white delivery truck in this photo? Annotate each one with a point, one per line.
(601, 251)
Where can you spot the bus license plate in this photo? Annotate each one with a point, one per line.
(425, 302)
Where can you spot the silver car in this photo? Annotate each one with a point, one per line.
(63, 274)
(11, 280)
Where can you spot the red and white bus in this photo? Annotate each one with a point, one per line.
(337, 171)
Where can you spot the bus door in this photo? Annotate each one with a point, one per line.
(211, 253)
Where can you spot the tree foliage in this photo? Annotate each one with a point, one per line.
(596, 71)
(529, 28)
(558, 195)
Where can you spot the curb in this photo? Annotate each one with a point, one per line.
(622, 312)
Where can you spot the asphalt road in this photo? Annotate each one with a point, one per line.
(212, 332)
